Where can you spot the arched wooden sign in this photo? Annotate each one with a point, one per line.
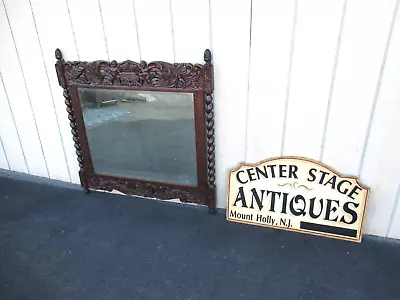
(298, 194)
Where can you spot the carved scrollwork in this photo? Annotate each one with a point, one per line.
(129, 73)
(138, 188)
(155, 75)
(175, 76)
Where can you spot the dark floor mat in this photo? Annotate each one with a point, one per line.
(59, 243)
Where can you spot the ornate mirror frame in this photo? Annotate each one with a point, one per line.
(155, 76)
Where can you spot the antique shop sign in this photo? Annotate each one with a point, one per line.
(297, 194)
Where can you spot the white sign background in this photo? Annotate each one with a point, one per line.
(297, 194)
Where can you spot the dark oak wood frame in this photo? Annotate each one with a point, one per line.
(155, 76)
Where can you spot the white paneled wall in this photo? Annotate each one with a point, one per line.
(312, 78)
(273, 24)
(230, 43)
(315, 39)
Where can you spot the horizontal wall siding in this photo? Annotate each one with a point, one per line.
(294, 77)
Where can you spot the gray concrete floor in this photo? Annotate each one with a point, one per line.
(58, 243)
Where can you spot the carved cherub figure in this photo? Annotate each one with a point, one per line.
(109, 72)
(145, 74)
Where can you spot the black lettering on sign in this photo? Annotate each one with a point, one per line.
(323, 174)
(332, 182)
(273, 195)
(238, 178)
(292, 171)
(299, 211)
(282, 171)
(251, 174)
(311, 172)
(263, 173)
(351, 212)
(257, 198)
(330, 208)
(284, 202)
(344, 192)
(240, 197)
(272, 170)
(354, 191)
(312, 203)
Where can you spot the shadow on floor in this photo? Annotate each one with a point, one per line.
(59, 243)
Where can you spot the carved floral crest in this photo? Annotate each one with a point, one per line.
(130, 73)
(163, 75)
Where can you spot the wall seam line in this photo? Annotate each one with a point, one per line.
(5, 154)
(391, 217)
(104, 31)
(172, 30)
(51, 92)
(137, 30)
(333, 80)
(377, 90)
(1, 132)
(15, 124)
(289, 77)
(73, 30)
(210, 24)
(26, 88)
(248, 83)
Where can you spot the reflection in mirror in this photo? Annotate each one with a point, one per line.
(143, 135)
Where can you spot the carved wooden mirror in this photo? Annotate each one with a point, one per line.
(143, 129)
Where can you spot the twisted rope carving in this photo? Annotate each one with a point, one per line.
(210, 140)
(71, 116)
(209, 101)
(74, 130)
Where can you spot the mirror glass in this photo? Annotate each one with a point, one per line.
(143, 135)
